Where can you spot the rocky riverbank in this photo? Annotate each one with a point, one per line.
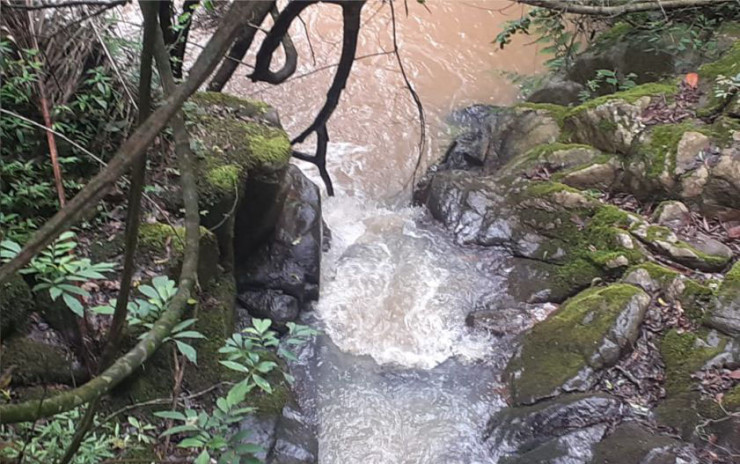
(624, 209)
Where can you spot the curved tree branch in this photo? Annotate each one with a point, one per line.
(241, 45)
(86, 200)
(279, 35)
(351, 12)
(319, 159)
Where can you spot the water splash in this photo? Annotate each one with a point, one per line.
(398, 289)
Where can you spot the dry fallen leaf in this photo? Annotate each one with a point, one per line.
(735, 375)
(692, 79)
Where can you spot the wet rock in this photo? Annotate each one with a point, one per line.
(589, 332)
(16, 303)
(270, 304)
(286, 269)
(725, 315)
(558, 91)
(295, 439)
(560, 430)
(518, 132)
(467, 150)
(611, 126)
(502, 319)
(634, 443)
(672, 214)
(491, 136)
(703, 253)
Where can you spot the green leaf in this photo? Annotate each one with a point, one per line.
(180, 429)
(189, 334)
(203, 458)
(149, 291)
(103, 309)
(238, 393)
(188, 351)
(192, 442)
(234, 366)
(171, 415)
(74, 304)
(266, 366)
(262, 383)
(183, 325)
(249, 448)
(261, 324)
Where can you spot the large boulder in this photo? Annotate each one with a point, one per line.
(282, 275)
(591, 331)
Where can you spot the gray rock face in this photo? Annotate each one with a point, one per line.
(491, 136)
(725, 315)
(283, 273)
(561, 430)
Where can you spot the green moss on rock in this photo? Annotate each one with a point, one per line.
(37, 362)
(556, 350)
(683, 354)
(159, 241)
(215, 320)
(652, 89)
(16, 303)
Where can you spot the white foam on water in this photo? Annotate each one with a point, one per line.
(397, 291)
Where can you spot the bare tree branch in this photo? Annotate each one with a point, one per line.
(606, 9)
(239, 48)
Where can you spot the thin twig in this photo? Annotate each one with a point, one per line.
(414, 95)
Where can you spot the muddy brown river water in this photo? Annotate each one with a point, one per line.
(397, 377)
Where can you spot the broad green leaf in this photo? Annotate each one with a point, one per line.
(234, 366)
(188, 351)
(171, 415)
(73, 304)
(262, 383)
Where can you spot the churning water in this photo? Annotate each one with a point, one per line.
(397, 377)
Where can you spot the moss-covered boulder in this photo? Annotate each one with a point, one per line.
(589, 332)
(242, 152)
(613, 123)
(725, 315)
(683, 355)
(706, 255)
(16, 303)
(696, 298)
(36, 362)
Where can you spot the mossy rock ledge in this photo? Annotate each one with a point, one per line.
(589, 332)
(242, 152)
